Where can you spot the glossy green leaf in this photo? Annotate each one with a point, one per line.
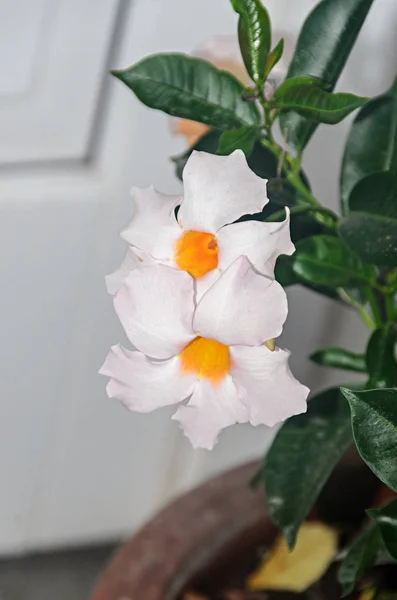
(376, 194)
(297, 81)
(322, 51)
(386, 518)
(372, 143)
(339, 358)
(374, 422)
(274, 56)
(254, 32)
(362, 554)
(281, 192)
(318, 105)
(190, 88)
(302, 457)
(382, 367)
(209, 142)
(286, 276)
(238, 139)
(325, 260)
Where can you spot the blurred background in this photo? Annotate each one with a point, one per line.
(77, 469)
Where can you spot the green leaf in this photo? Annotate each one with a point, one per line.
(297, 81)
(243, 139)
(281, 192)
(274, 57)
(374, 422)
(209, 142)
(362, 554)
(302, 457)
(285, 275)
(254, 32)
(370, 230)
(372, 143)
(190, 88)
(318, 105)
(339, 358)
(322, 51)
(382, 367)
(386, 518)
(324, 260)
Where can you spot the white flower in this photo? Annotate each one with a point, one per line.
(204, 240)
(212, 352)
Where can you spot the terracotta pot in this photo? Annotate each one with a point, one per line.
(209, 531)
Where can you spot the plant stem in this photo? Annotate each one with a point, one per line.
(369, 293)
(365, 317)
(389, 308)
(302, 208)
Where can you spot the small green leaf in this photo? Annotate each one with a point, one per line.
(382, 367)
(209, 142)
(318, 105)
(285, 275)
(190, 88)
(296, 81)
(281, 192)
(362, 554)
(302, 457)
(325, 260)
(243, 139)
(374, 422)
(274, 56)
(254, 32)
(339, 358)
(386, 518)
(372, 143)
(322, 51)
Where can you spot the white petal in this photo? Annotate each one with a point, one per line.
(219, 190)
(266, 385)
(143, 385)
(153, 227)
(155, 306)
(242, 307)
(204, 283)
(133, 259)
(262, 243)
(210, 409)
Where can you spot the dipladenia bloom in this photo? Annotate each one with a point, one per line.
(211, 352)
(203, 239)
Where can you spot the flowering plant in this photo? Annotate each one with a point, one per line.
(200, 293)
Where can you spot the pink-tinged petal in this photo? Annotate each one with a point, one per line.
(155, 306)
(153, 227)
(266, 385)
(133, 259)
(210, 409)
(261, 243)
(242, 307)
(143, 385)
(219, 190)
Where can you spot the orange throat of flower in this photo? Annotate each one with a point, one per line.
(206, 358)
(196, 252)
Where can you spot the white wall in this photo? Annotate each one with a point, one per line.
(75, 466)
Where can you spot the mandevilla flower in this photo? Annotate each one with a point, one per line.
(212, 351)
(203, 239)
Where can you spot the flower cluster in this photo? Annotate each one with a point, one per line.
(197, 297)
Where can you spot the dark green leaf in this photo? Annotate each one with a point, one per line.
(254, 32)
(238, 139)
(372, 143)
(339, 358)
(382, 367)
(324, 260)
(190, 88)
(323, 47)
(281, 192)
(376, 194)
(302, 457)
(209, 142)
(386, 518)
(374, 422)
(297, 81)
(314, 103)
(362, 554)
(285, 275)
(274, 56)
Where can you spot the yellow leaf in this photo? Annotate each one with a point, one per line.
(316, 546)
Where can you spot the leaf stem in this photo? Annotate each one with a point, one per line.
(369, 294)
(360, 308)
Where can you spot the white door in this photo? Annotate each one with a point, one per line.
(75, 466)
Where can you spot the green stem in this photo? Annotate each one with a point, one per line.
(390, 313)
(365, 317)
(369, 293)
(302, 208)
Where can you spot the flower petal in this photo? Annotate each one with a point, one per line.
(242, 307)
(153, 227)
(143, 385)
(155, 306)
(266, 385)
(133, 259)
(210, 409)
(261, 243)
(219, 190)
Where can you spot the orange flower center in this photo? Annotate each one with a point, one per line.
(196, 252)
(206, 358)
